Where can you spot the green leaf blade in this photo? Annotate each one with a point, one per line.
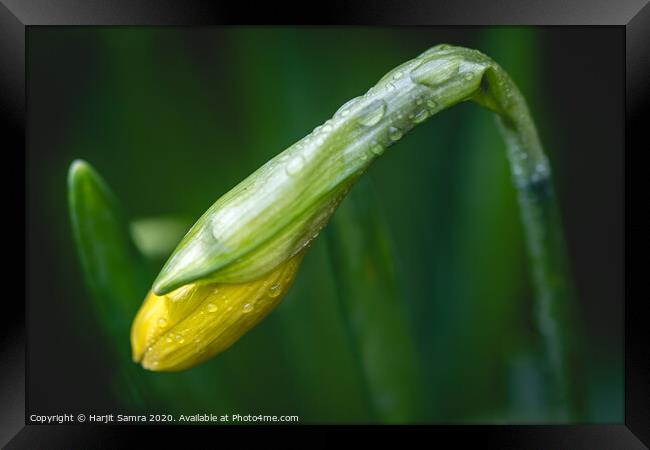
(114, 270)
(370, 301)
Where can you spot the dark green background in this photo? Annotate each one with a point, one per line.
(173, 117)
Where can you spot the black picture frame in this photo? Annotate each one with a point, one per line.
(17, 15)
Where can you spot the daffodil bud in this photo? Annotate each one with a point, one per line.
(279, 209)
(219, 281)
(195, 322)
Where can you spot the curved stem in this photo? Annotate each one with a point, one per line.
(546, 247)
(444, 76)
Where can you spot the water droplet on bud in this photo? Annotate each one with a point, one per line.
(395, 134)
(345, 109)
(376, 148)
(435, 71)
(295, 165)
(373, 113)
(421, 116)
(274, 290)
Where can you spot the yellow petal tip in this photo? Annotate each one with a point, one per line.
(195, 322)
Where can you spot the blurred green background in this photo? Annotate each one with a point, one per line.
(172, 118)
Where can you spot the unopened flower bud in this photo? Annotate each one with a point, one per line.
(185, 327)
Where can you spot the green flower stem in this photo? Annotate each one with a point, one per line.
(444, 76)
(486, 83)
(554, 297)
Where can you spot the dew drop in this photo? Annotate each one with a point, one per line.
(363, 156)
(398, 75)
(169, 339)
(372, 91)
(274, 290)
(181, 293)
(421, 116)
(435, 71)
(211, 307)
(431, 103)
(394, 134)
(373, 113)
(162, 323)
(345, 109)
(247, 308)
(469, 76)
(295, 165)
(377, 149)
(540, 173)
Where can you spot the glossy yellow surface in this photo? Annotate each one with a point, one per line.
(193, 323)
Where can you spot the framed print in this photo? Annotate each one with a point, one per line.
(402, 217)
